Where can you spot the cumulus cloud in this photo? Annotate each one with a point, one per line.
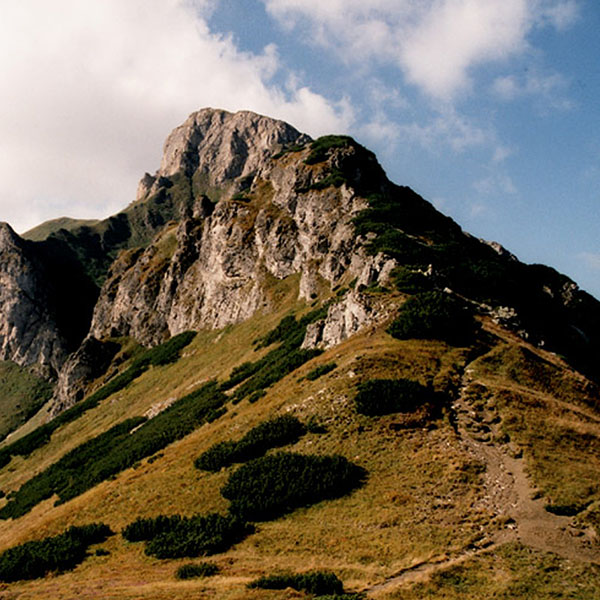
(437, 44)
(453, 37)
(549, 88)
(456, 130)
(91, 89)
(496, 183)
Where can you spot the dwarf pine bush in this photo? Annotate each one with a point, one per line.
(385, 396)
(200, 535)
(192, 571)
(434, 315)
(313, 582)
(273, 433)
(63, 552)
(268, 487)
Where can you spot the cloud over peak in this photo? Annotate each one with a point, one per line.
(92, 89)
(436, 44)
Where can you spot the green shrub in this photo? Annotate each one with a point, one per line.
(160, 355)
(267, 487)
(279, 362)
(335, 178)
(116, 450)
(315, 426)
(409, 281)
(191, 571)
(290, 331)
(320, 147)
(217, 456)
(313, 582)
(434, 315)
(169, 351)
(256, 396)
(403, 221)
(32, 560)
(200, 535)
(142, 530)
(273, 433)
(566, 510)
(386, 396)
(320, 371)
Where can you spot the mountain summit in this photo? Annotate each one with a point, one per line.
(267, 290)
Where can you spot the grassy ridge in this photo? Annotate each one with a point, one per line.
(160, 355)
(409, 229)
(22, 394)
(116, 450)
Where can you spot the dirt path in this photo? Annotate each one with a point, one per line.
(507, 492)
(423, 570)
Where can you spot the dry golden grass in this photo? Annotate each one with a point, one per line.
(512, 571)
(549, 412)
(417, 503)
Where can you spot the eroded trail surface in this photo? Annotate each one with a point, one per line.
(507, 492)
(507, 488)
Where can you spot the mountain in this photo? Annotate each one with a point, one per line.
(322, 368)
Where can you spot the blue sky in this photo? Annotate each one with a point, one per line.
(487, 108)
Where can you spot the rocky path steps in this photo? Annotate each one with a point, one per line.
(507, 493)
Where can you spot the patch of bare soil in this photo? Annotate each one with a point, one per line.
(508, 490)
(507, 494)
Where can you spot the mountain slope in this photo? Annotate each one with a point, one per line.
(423, 357)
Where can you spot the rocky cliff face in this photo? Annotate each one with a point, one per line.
(239, 202)
(29, 333)
(222, 257)
(219, 149)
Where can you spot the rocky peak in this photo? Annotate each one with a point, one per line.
(220, 147)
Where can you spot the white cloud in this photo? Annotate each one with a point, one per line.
(501, 153)
(436, 43)
(549, 88)
(506, 87)
(494, 184)
(560, 15)
(478, 210)
(91, 89)
(448, 129)
(457, 35)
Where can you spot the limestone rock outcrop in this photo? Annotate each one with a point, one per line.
(222, 262)
(220, 148)
(29, 334)
(84, 365)
(240, 202)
